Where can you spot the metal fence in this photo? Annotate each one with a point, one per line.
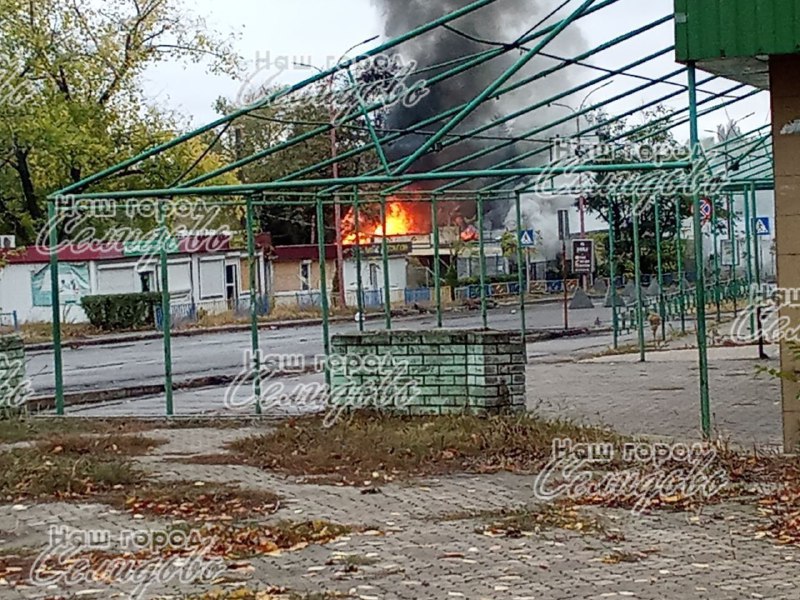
(9, 320)
(187, 313)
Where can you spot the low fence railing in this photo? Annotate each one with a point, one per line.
(677, 303)
(185, 313)
(9, 320)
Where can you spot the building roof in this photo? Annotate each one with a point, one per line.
(103, 251)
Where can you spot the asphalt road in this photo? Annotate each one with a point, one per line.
(137, 363)
(301, 391)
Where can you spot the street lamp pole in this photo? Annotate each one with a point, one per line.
(337, 209)
(581, 198)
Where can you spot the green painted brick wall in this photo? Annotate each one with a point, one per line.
(439, 372)
(12, 371)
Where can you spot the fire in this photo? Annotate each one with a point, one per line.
(400, 220)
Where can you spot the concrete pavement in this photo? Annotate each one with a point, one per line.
(422, 552)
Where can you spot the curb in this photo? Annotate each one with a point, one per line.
(99, 396)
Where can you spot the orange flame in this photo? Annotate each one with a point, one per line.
(400, 220)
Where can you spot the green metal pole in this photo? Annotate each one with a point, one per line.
(612, 268)
(359, 266)
(522, 278)
(705, 408)
(55, 301)
(679, 254)
(734, 254)
(254, 342)
(323, 287)
(482, 252)
(748, 227)
(166, 316)
(437, 268)
(387, 292)
(717, 273)
(637, 264)
(661, 298)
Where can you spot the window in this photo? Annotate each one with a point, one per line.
(231, 284)
(212, 279)
(305, 276)
(373, 276)
(146, 279)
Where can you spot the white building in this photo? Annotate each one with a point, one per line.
(373, 280)
(203, 273)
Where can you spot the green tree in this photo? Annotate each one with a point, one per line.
(296, 115)
(73, 103)
(651, 144)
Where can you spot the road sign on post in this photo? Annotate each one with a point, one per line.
(527, 238)
(583, 256)
(762, 226)
(706, 210)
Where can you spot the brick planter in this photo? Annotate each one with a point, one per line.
(439, 372)
(13, 386)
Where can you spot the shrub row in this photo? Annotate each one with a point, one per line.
(119, 312)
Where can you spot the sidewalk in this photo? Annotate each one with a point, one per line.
(416, 550)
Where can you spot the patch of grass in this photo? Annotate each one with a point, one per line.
(534, 520)
(189, 501)
(113, 444)
(370, 446)
(290, 534)
(31, 474)
(36, 333)
(100, 469)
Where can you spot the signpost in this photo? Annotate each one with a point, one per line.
(729, 254)
(583, 256)
(762, 227)
(527, 240)
(706, 210)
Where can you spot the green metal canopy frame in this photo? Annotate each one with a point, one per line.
(740, 165)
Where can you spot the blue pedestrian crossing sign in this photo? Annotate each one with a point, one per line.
(527, 238)
(762, 226)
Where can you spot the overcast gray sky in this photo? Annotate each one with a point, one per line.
(319, 31)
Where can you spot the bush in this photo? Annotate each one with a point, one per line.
(121, 311)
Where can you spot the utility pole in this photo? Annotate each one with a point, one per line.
(337, 209)
(563, 234)
(581, 198)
